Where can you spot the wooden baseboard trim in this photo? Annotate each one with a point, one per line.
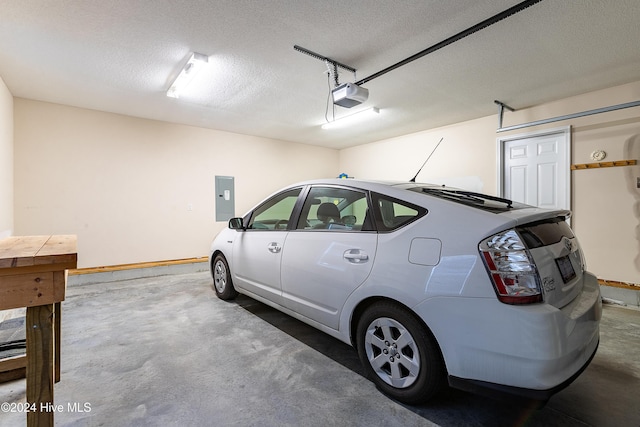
(79, 271)
(616, 284)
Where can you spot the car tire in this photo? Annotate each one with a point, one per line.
(222, 283)
(399, 354)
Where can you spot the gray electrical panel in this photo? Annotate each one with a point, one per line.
(225, 198)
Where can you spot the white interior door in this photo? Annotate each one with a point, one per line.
(535, 168)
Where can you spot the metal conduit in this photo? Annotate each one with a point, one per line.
(568, 116)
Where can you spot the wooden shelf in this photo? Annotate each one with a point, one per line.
(604, 164)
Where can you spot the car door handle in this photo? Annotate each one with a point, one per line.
(356, 256)
(274, 247)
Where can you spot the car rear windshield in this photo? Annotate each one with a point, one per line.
(476, 200)
(543, 233)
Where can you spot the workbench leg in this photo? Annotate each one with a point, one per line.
(57, 317)
(40, 361)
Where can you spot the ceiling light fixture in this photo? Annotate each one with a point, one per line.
(196, 62)
(353, 118)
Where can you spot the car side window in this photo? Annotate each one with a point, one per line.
(274, 214)
(393, 213)
(336, 209)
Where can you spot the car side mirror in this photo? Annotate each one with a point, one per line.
(236, 224)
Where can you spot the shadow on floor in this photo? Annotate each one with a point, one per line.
(166, 351)
(455, 407)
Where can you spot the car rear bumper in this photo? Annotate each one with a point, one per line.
(533, 350)
(501, 391)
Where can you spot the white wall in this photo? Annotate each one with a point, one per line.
(124, 184)
(605, 202)
(466, 156)
(6, 161)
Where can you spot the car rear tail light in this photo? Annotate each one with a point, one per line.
(511, 268)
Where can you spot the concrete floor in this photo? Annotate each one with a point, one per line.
(165, 351)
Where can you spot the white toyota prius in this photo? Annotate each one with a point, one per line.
(432, 285)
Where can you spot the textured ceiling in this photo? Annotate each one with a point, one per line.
(120, 56)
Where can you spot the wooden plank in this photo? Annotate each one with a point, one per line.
(13, 368)
(59, 285)
(616, 284)
(11, 363)
(26, 290)
(59, 244)
(16, 374)
(32, 254)
(57, 311)
(20, 251)
(40, 362)
(121, 267)
(604, 164)
(58, 249)
(36, 269)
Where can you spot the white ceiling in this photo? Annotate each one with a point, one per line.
(120, 56)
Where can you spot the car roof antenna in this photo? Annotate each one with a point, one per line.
(425, 162)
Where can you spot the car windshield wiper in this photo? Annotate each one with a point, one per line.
(467, 196)
(507, 202)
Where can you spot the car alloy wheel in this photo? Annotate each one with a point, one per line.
(399, 353)
(222, 279)
(392, 352)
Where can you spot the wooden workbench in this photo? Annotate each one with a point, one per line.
(33, 275)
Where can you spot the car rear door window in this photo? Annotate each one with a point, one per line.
(336, 209)
(392, 213)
